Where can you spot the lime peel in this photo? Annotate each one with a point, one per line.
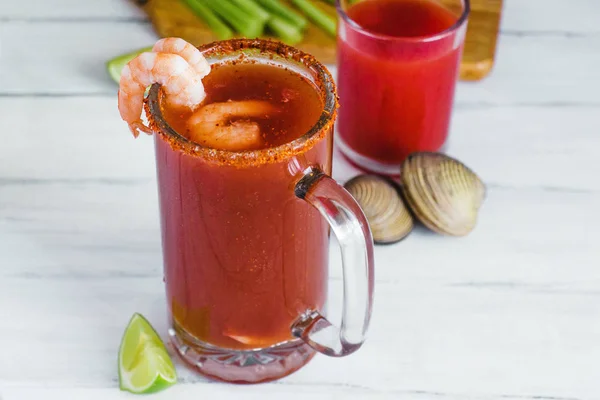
(144, 363)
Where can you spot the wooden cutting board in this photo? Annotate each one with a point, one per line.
(480, 43)
(173, 18)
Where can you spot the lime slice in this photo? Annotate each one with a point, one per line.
(115, 65)
(144, 364)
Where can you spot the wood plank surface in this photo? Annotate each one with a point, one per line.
(510, 312)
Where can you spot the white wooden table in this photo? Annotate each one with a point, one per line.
(510, 312)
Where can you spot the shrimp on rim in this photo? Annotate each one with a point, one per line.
(180, 81)
(189, 52)
(179, 68)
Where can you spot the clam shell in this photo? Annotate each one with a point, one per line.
(442, 192)
(382, 204)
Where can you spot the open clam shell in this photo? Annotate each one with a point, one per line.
(382, 204)
(442, 192)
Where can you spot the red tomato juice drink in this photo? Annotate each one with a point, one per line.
(245, 232)
(398, 63)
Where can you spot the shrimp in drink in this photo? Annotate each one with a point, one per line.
(215, 124)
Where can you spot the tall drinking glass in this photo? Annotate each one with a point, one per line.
(398, 63)
(245, 239)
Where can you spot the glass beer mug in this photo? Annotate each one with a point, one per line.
(245, 239)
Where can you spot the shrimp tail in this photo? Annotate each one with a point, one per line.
(137, 126)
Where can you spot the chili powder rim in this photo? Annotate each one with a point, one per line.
(269, 50)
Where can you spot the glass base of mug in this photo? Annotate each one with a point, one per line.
(369, 164)
(241, 366)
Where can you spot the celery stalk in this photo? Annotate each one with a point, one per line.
(287, 32)
(316, 15)
(215, 23)
(253, 9)
(241, 21)
(284, 12)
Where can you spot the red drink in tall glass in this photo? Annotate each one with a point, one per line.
(398, 63)
(259, 254)
(245, 230)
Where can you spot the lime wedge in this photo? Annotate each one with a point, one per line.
(115, 65)
(144, 364)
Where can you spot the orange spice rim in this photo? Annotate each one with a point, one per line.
(415, 39)
(262, 50)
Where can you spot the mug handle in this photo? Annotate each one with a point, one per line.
(351, 228)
